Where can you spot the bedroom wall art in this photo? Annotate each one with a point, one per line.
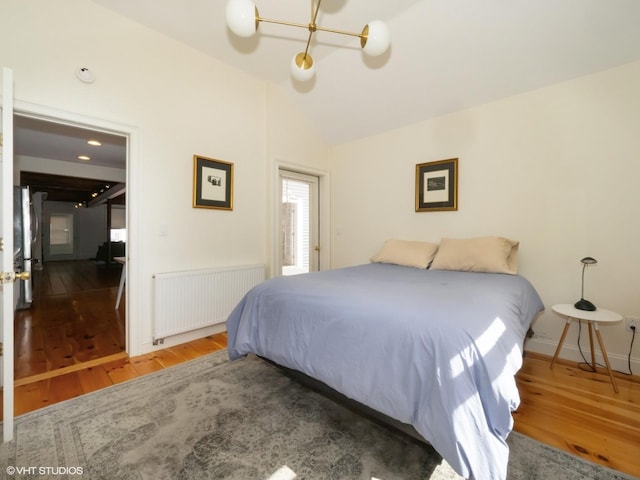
(212, 183)
(437, 185)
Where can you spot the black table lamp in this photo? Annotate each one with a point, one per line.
(583, 304)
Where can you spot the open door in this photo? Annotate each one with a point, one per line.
(7, 275)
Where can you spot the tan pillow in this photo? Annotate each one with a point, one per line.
(407, 253)
(482, 254)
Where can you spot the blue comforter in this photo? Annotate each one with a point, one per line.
(435, 349)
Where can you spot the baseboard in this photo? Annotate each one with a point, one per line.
(571, 352)
(174, 340)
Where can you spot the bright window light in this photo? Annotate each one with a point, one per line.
(118, 234)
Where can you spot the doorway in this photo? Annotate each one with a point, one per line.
(73, 320)
(298, 239)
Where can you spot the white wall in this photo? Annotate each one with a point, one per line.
(292, 145)
(555, 168)
(177, 102)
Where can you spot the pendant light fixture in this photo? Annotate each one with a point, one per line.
(243, 19)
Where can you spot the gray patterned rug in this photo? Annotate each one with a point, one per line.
(212, 419)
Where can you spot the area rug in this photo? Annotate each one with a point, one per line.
(215, 419)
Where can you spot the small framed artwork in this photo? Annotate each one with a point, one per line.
(437, 185)
(212, 183)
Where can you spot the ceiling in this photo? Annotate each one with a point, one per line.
(48, 140)
(63, 188)
(445, 55)
(39, 138)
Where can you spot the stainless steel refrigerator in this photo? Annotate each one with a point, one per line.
(25, 229)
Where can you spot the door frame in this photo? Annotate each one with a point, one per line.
(8, 302)
(323, 213)
(313, 182)
(41, 112)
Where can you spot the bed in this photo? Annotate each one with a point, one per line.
(434, 349)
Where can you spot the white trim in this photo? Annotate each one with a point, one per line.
(132, 328)
(571, 352)
(8, 302)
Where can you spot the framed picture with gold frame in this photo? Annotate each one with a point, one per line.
(212, 183)
(437, 185)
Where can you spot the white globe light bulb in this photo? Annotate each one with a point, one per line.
(241, 17)
(377, 39)
(302, 67)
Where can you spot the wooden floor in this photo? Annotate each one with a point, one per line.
(577, 411)
(38, 394)
(72, 320)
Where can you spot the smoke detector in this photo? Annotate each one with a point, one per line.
(85, 75)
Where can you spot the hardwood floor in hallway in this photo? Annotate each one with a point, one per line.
(72, 320)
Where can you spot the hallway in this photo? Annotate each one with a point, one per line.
(71, 321)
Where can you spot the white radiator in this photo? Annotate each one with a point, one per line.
(189, 300)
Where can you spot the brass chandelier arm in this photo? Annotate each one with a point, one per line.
(314, 15)
(312, 27)
(282, 22)
(306, 49)
(341, 32)
(308, 26)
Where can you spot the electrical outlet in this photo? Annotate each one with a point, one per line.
(632, 322)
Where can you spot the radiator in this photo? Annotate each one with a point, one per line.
(185, 301)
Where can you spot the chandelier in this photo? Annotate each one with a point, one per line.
(243, 20)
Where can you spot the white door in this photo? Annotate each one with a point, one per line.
(6, 235)
(298, 239)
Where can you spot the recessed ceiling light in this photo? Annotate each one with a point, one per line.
(84, 157)
(95, 143)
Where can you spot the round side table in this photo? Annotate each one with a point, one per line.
(593, 319)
